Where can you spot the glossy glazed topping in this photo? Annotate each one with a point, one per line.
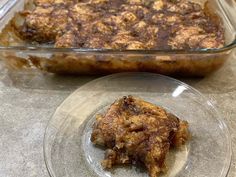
(122, 24)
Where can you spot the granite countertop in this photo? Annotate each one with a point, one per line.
(28, 100)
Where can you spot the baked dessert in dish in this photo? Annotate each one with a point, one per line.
(122, 24)
(169, 37)
(135, 131)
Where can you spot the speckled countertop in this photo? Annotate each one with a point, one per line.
(27, 102)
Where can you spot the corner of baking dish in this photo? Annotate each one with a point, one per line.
(8, 8)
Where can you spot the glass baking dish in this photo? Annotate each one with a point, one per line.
(17, 55)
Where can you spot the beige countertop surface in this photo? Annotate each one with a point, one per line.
(28, 100)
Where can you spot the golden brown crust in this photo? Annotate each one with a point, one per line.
(135, 131)
(123, 24)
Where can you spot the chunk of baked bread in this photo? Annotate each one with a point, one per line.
(135, 131)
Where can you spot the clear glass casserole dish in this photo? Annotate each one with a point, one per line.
(19, 55)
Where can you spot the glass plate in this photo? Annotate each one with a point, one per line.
(69, 153)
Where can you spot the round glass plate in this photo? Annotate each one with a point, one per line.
(69, 153)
